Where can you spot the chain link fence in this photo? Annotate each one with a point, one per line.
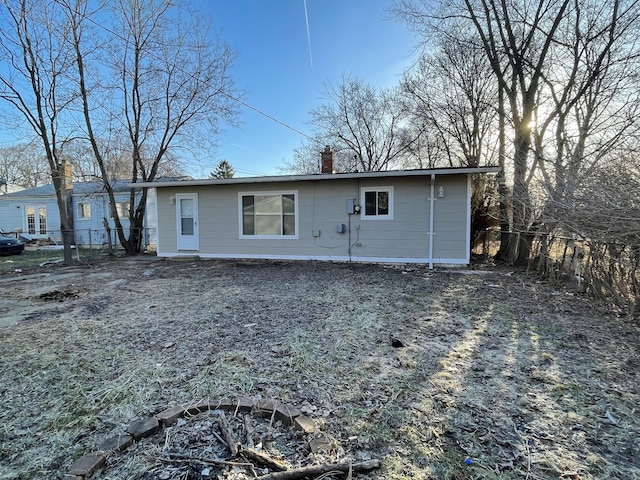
(88, 243)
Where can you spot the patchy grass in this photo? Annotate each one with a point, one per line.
(31, 259)
(500, 376)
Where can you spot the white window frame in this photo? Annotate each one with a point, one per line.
(363, 206)
(269, 237)
(81, 211)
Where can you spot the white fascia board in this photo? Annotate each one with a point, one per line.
(317, 177)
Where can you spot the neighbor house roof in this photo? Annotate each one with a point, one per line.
(82, 188)
(320, 176)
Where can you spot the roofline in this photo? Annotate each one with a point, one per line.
(319, 176)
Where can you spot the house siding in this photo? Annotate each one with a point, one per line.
(88, 231)
(322, 205)
(451, 219)
(13, 212)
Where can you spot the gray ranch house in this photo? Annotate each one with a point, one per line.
(34, 215)
(410, 216)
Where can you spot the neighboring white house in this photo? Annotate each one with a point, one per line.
(33, 213)
(411, 216)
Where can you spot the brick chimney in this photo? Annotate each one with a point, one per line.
(67, 172)
(326, 160)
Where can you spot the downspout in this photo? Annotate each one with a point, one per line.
(432, 198)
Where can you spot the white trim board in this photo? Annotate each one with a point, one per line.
(327, 258)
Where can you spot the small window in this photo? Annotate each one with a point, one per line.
(84, 211)
(122, 208)
(377, 203)
(268, 215)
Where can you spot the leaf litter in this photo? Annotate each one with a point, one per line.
(437, 374)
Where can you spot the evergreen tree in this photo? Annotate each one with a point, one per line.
(223, 170)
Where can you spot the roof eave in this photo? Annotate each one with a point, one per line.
(318, 177)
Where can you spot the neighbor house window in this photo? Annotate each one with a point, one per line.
(377, 203)
(122, 208)
(84, 211)
(268, 215)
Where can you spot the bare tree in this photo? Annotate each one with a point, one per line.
(551, 60)
(452, 92)
(34, 83)
(306, 159)
(117, 160)
(172, 84)
(369, 125)
(24, 165)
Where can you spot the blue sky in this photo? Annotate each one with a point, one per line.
(283, 66)
(284, 77)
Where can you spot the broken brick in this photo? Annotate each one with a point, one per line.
(87, 465)
(170, 416)
(304, 424)
(143, 428)
(200, 407)
(265, 408)
(286, 414)
(116, 443)
(241, 404)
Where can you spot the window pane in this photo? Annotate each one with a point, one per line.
(268, 225)
(288, 204)
(247, 204)
(31, 220)
(84, 210)
(267, 204)
(186, 207)
(383, 203)
(289, 225)
(369, 203)
(42, 213)
(187, 226)
(122, 208)
(248, 225)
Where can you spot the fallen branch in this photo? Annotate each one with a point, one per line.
(229, 437)
(264, 459)
(249, 431)
(179, 458)
(303, 472)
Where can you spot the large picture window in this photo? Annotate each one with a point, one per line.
(377, 203)
(268, 215)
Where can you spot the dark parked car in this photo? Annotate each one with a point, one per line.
(10, 246)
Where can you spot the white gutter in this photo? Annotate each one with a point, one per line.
(432, 198)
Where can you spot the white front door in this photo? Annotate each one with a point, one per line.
(187, 217)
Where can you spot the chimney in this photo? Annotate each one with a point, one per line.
(67, 179)
(327, 160)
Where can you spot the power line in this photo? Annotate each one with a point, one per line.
(241, 102)
(235, 99)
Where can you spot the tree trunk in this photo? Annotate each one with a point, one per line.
(503, 190)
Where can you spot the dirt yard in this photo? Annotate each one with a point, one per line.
(440, 374)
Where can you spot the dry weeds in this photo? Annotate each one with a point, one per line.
(524, 380)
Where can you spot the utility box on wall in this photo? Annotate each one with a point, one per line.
(352, 206)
